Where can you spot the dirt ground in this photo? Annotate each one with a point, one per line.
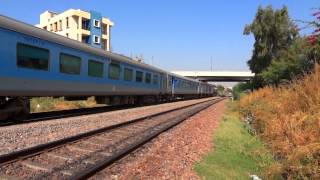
(172, 154)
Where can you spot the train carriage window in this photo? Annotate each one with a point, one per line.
(128, 74)
(70, 64)
(148, 78)
(177, 83)
(32, 57)
(155, 79)
(95, 68)
(139, 76)
(114, 71)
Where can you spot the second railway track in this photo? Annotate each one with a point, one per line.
(52, 115)
(81, 156)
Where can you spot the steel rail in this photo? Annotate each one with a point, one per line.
(32, 151)
(53, 115)
(85, 174)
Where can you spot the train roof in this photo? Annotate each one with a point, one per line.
(21, 27)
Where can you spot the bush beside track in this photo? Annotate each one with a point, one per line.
(287, 118)
(46, 104)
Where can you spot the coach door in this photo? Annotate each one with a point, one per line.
(163, 83)
(169, 84)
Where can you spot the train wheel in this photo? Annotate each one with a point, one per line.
(23, 108)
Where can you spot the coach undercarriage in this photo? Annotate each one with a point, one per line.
(18, 108)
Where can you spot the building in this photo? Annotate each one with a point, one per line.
(87, 27)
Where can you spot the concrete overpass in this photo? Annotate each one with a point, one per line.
(218, 76)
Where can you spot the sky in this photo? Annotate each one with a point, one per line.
(172, 34)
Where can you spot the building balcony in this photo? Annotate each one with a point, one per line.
(85, 32)
(104, 36)
(85, 24)
(85, 39)
(104, 44)
(105, 29)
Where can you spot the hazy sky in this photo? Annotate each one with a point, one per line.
(178, 34)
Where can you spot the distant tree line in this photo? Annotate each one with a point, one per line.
(241, 89)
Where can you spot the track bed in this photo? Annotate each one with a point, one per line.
(82, 155)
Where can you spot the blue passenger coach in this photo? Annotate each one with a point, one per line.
(35, 63)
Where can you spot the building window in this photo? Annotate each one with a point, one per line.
(95, 68)
(67, 34)
(105, 29)
(60, 25)
(155, 79)
(32, 57)
(85, 39)
(85, 24)
(96, 23)
(45, 28)
(96, 39)
(139, 76)
(67, 22)
(55, 27)
(128, 74)
(51, 27)
(114, 71)
(70, 64)
(104, 44)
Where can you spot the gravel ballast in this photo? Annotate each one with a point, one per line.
(172, 154)
(16, 137)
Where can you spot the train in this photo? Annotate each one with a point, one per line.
(38, 63)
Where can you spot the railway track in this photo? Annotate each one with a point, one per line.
(81, 156)
(45, 116)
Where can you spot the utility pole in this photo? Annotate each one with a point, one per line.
(211, 63)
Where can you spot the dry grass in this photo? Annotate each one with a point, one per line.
(288, 119)
(45, 104)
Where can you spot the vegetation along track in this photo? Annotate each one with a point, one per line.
(81, 156)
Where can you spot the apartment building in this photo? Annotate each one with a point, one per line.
(87, 27)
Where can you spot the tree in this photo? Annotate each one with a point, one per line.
(241, 89)
(290, 64)
(298, 59)
(220, 90)
(314, 38)
(273, 32)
